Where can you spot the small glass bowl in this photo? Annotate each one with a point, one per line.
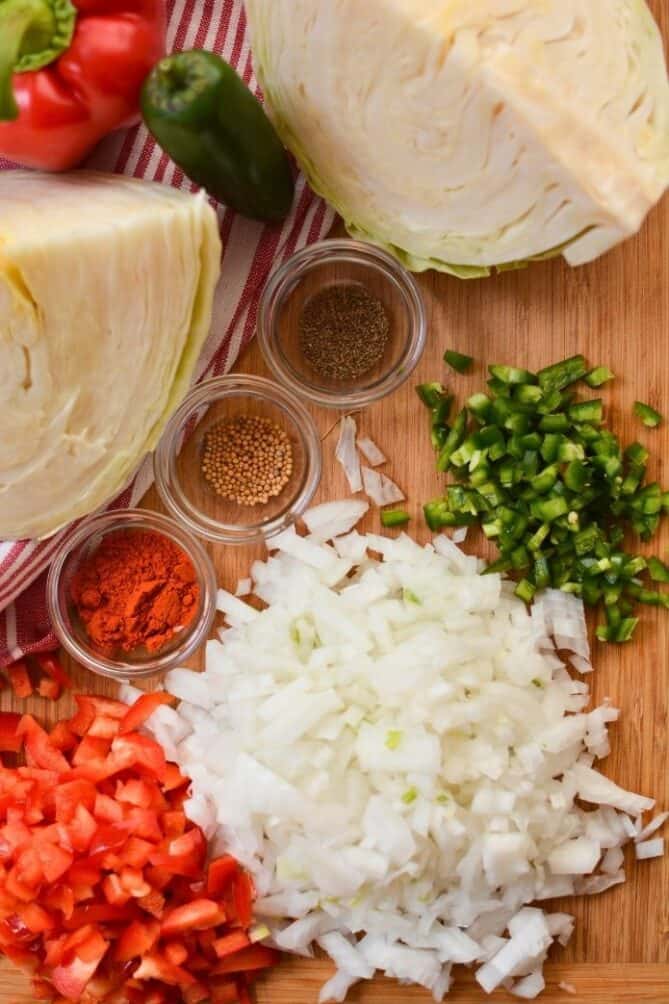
(72, 632)
(177, 462)
(333, 263)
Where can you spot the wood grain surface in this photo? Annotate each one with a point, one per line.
(616, 311)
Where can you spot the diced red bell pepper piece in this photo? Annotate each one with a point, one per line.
(109, 837)
(11, 740)
(96, 913)
(231, 943)
(40, 751)
(60, 897)
(140, 792)
(195, 916)
(50, 664)
(20, 680)
(243, 897)
(55, 860)
(62, 737)
(221, 874)
(138, 751)
(175, 952)
(158, 878)
(144, 823)
(90, 748)
(255, 957)
(36, 918)
(70, 979)
(137, 940)
(103, 727)
(154, 903)
(28, 868)
(136, 852)
(70, 795)
(114, 892)
(142, 710)
(82, 828)
(173, 823)
(173, 778)
(86, 872)
(133, 881)
(49, 689)
(53, 951)
(107, 809)
(156, 967)
(184, 855)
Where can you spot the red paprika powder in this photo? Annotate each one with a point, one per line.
(138, 588)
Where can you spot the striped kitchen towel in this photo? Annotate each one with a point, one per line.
(251, 251)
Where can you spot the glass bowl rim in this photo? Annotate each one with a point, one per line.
(330, 251)
(237, 385)
(193, 637)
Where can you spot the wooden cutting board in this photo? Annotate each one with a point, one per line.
(616, 311)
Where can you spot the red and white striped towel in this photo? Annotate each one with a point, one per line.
(251, 251)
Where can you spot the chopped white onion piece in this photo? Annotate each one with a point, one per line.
(347, 454)
(459, 535)
(381, 490)
(244, 587)
(371, 452)
(649, 849)
(333, 519)
(568, 988)
(653, 826)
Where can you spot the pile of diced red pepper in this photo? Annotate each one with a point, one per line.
(105, 890)
(45, 677)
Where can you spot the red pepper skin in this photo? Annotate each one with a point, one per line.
(66, 108)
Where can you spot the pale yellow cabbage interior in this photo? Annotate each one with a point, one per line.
(106, 292)
(467, 134)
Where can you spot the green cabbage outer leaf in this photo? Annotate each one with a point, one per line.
(472, 135)
(106, 294)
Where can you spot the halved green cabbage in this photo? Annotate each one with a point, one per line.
(106, 292)
(486, 133)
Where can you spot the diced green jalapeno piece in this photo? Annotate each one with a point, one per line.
(599, 376)
(548, 510)
(561, 375)
(510, 375)
(658, 571)
(650, 418)
(457, 361)
(394, 517)
(525, 590)
(554, 423)
(430, 393)
(587, 411)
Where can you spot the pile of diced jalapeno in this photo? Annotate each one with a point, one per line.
(543, 477)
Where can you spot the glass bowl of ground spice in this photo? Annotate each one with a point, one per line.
(131, 594)
(342, 323)
(239, 461)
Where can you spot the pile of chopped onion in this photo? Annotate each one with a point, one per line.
(395, 750)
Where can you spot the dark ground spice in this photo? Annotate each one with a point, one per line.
(344, 332)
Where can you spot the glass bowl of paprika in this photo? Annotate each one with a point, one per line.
(131, 594)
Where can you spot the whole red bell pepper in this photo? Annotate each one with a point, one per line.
(72, 72)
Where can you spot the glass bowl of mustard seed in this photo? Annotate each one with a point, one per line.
(131, 594)
(239, 461)
(342, 323)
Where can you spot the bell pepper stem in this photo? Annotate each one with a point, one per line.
(33, 33)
